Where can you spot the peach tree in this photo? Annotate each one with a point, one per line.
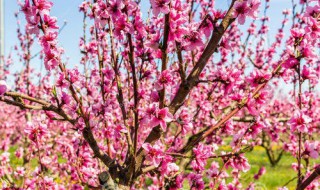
(155, 97)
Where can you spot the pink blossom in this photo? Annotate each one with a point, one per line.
(118, 130)
(256, 128)
(50, 22)
(177, 27)
(307, 51)
(228, 127)
(108, 73)
(20, 171)
(83, 7)
(150, 112)
(192, 41)
(261, 171)
(92, 47)
(206, 27)
(202, 153)
(312, 28)
(115, 8)
(61, 81)
(121, 26)
(36, 132)
(164, 80)
(311, 149)
(254, 7)
(258, 77)
(238, 96)
(154, 153)
(290, 63)
(74, 75)
(160, 6)
(161, 118)
(196, 181)
(240, 163)
(46, 160)
(177, 183)
(101, 13)
(295, 166)
(3, 87)
(51, 60)
(77, 187)
(48, 182)
(241, 11)
(214, 169)
(308, 73)
(246, 8)
(31, 184)
(252, 105)
(33, 29)
(299, 122)
(312, 11)
(154, 96)
(297, 33)
(19, 152)
(262, 97)
(286, 11)
(5, 158)
(171, 169)
(31, 17)
(237, 137)
(86, 160)
(186, 121)
(65, 98)
(44, 5)
(49, 40)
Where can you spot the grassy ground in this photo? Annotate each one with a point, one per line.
(278, 176)
(273, 178)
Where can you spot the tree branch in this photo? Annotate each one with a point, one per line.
(164, 47)
(244, 150)
(195, 139)
(310, 179)
(192, 79)
(182, 70)
(190, 82)
(44, 105)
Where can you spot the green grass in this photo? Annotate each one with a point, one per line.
(275, 176)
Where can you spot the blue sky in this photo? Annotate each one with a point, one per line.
(64, 10)
(67, 10)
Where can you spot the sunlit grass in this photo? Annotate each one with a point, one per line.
(274, 177)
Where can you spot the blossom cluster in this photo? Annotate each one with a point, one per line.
(37, 14)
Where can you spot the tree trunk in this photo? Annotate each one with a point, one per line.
(107, 183)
